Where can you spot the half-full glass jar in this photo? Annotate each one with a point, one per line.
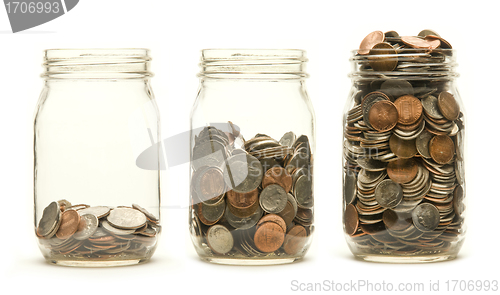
(96, 161)
(403, 152)
(252, 144)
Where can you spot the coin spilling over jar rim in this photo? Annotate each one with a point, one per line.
(403, 153)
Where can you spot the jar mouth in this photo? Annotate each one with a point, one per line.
(97, 63)
(407, 63)
(253, 64)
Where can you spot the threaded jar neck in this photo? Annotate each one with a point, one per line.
(404, 63)
(97, 64)
(259, 64)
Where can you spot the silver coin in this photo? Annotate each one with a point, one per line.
(145, 212)
(370, 164)
(213, 213)
(245, 222)
(243, 173)
(388, 194)
(90, 224)
(209, 153)
(288, 139)
(117, 231)
(397, 88)
(98, 211)
(64, 203)
(422, 143)
(126, 218)
(51, 217)
(303, 192)
(273, 198)
(220, 239)
(350, 187)
(424, 33)
(425, 217)
(430, 106)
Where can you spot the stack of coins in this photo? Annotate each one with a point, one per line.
(251, 198)
(83, 232)
(403, 147)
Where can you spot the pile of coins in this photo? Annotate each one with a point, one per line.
(251, 198)
(403, 147)
(83, 232)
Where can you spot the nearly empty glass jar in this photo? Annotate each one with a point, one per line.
(96, 161)
(404, 124)
(252, 146)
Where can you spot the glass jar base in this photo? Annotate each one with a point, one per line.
(239, 261)
(96, 263)
(405, 259)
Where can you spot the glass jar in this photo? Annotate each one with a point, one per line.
(252, 141)
(96, 161)
(403, 151)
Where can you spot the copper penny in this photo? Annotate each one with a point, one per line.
(211, 184)
(242, 200)
(288, 214)
(369, 41)
(396, 220)
(351, 219)
(416, 42)
(295, 240)
(402, 170)
(273, 218)
(448, 106)
(383, 115)
(269, 237)
(409, 109)
(69, 224)
(442, 149)
(402, 148)
(383, 57)
(277, 175)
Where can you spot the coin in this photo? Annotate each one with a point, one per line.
(69, 224)
(442, 149)
(242, 200)
(87, 227)
(422, 143)
(126, 218)
(302, 191)
(351, 219)
(409, 109)
(295, 240)
(383, 115)
(383, 57)
(220, 239)
(388, 194)
(50, 220)
(416, 42)
(402, 170)
(273, 198)
(277, 175)
(244, 222)
(273, 218)
(458, 196)
(402, 148)
(117, 231)
(396, 221)
(269, 237)
(350, 187)
(288, 139)
(98, 211)
(210, 184)
(369, 41)
(448, 106)
(288, 214)
(243, 173)
(210, 153)
(425, 33)
(146, 212)
(425, 217)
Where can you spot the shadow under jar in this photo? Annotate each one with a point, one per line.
(96, 167)
(403, 152)
(252, 144)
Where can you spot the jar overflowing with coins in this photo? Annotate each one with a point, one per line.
(252, 145)
(96, 158)
(403, 150)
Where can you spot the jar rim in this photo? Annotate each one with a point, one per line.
(266, 64)
(97, 63)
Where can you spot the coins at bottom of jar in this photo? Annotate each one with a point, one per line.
(97, 232)
(265, 205)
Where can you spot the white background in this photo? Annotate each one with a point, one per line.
(176, 31)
